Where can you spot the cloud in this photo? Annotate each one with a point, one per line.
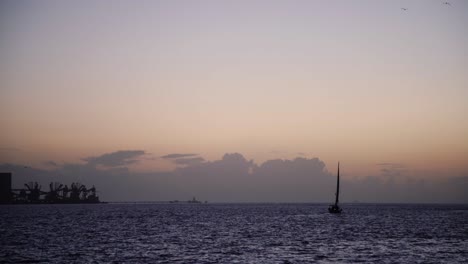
(189, 161)
(115, 159)
(236, 179)
(177, 155)
(184, 159)
(22, 174)
(233, 178)
(391, 164)
(390, 169)
(50, 163)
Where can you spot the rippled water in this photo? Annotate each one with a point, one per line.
(229, 233)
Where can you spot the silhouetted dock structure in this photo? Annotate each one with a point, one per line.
(57, 193)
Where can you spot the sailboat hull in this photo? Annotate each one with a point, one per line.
(334, 209)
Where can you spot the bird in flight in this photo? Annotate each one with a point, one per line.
(447, 3)
(404, 9)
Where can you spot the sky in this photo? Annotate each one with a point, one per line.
(381, 89)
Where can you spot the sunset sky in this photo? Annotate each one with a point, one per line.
(361, 82)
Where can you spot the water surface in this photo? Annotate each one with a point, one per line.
(230, 233)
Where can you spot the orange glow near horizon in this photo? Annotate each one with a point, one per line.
(178, 78)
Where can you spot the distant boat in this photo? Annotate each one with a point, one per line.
(194, 200)
(335, 208)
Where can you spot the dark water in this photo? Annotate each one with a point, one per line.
(229, 233)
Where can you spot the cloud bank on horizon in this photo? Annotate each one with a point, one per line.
(115, 159)
(184, 159)
(233, 178)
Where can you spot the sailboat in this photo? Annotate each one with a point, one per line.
(335, 208)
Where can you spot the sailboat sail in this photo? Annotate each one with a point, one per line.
(335, 208)
(338, 185)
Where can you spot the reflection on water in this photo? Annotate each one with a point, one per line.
(244, 233)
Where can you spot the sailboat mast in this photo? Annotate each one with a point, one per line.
(337, 185)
